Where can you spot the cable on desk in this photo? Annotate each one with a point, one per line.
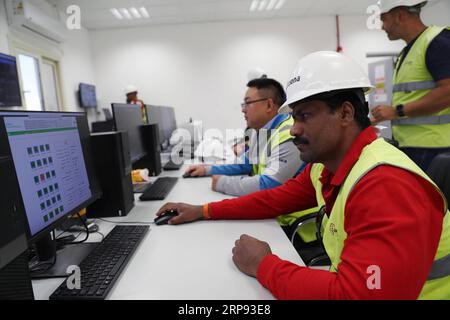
(42, 267)
(86, 230)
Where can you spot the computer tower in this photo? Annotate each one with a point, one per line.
(152, 160)
(15, 282)
(111, 156)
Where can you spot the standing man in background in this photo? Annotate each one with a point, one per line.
(420, 112)
(132, 98)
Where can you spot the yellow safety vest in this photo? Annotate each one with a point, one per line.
(412, 81)
(280, 135)
(379, 153)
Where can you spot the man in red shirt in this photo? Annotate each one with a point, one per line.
(386, 229)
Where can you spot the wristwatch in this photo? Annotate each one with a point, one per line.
(400, 110)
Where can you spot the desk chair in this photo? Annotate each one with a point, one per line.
(312, 253)
(439, 172)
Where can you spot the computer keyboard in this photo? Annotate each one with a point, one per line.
(172, 165)
(159, 189)
(103, 266)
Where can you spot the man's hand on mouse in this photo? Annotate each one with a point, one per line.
(197, 171)
(186, 212)
(248, 253)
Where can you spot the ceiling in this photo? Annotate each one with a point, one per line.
(97, 15)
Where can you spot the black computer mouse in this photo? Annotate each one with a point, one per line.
(188, 175)
(165, 217)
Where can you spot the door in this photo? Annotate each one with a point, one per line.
(50, 85)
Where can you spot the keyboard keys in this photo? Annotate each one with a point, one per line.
(102, 267)
(159, 189)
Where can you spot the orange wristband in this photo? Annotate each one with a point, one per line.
(206, 212)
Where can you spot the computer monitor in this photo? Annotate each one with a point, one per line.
(169, 122)
(128, 117)
(154, 116)
(165, 118)
(108, 114)
(53, 166)
(88, 97)
(9, 82)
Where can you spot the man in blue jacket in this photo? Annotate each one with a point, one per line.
(272, 158)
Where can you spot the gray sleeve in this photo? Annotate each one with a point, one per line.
(238, 185)
(282, 165)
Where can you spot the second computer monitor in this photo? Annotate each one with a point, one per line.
(128, 117)
(165, 118)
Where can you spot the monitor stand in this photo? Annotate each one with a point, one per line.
(69, 255)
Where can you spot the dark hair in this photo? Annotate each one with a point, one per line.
(335, 99)
(271, 88)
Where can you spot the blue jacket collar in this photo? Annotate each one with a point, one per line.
(275, 122)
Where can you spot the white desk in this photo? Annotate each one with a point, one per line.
(191, 261)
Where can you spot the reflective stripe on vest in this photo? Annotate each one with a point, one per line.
(412, 81)
(381, 153)
(414, 86)
(280, 135)
(431, 120)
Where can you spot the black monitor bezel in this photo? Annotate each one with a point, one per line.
(18, 83)
(164, 135)
(144, 154)
(94, 183)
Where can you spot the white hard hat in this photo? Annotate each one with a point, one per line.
(388, 5)
(256, 73)
(130, 89)
(322, 72)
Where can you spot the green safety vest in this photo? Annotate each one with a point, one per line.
(379, 153)
(412, 81)
(279, 136)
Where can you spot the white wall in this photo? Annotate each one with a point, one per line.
(437, 13)
(76, 66)
(200, 69)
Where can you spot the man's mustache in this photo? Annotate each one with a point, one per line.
(300, 140)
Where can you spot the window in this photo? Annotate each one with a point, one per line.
(31, 82)
(39, 79)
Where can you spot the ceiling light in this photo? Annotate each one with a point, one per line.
(144, 12)
(116, 13)
(279, 4)
(125, 13)
(262, 5)
(135, 13)
(254, 5)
